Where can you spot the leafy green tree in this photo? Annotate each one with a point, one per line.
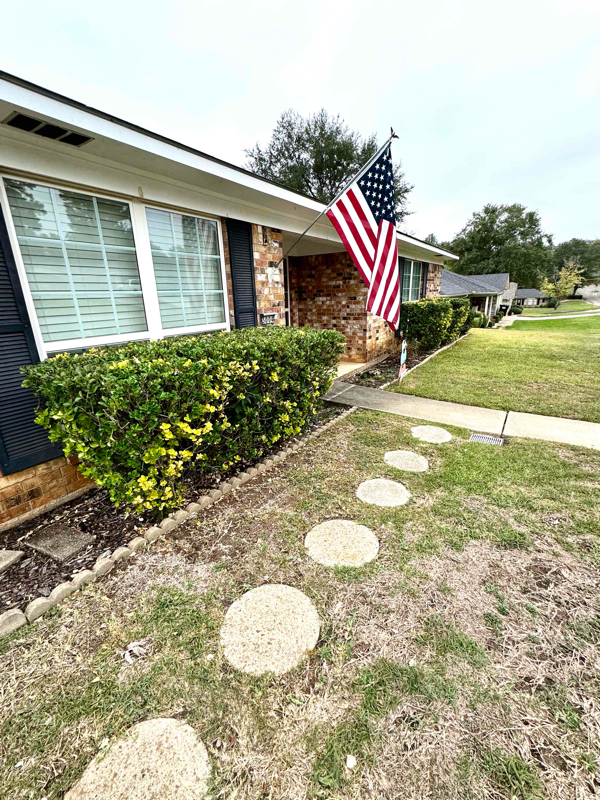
(563, 286)
(317, 155)
(504, 238)
(586, 251)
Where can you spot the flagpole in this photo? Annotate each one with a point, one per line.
(340, 193)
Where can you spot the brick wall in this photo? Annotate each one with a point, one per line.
(31, 491)
(269, 278)
(381, 338)
(434, 280)
(327, 292)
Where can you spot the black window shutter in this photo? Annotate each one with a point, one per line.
(241, 257)
(424, 271)
(22, 443)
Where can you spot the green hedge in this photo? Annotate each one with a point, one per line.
(142, 415)
(432, 323)
(461, 308)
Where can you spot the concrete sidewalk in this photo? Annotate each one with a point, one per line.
(486, 420)
(474, 418)
(507, 321)
(553, 429)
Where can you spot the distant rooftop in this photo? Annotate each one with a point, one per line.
(523, 294)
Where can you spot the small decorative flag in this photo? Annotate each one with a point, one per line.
(365, 218)
(402, 360)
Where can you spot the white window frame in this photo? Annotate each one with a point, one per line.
(141, 238)
(412, 262)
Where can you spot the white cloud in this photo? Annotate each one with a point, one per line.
(493, 103)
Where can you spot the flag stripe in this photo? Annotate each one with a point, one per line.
(357, 230)
(379, 272)
(339, 224)
(366, 219)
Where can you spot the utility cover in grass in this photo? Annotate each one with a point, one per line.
(383, 492)
(431, 433)
(340, 542)
(269, 629)
(159, 758)
(406, 460)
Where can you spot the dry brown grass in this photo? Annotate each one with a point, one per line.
(532, 693)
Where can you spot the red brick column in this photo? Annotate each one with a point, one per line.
(269, 278)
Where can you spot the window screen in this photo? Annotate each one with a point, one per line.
(411, 281)
(80, 261)
(187, 268)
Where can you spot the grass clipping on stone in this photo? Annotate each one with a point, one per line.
(461, 663)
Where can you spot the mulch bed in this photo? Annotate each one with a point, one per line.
(37, 574)
(387, 370)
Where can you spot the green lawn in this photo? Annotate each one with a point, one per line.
(547, 367)
(445, 667)
(566, 307)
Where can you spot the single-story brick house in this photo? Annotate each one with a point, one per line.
(487, 293)
(530, 297)
(111, 233)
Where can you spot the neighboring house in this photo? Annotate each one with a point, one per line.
(530, 297)
(487, 293)
(110, 233)
(509, 295)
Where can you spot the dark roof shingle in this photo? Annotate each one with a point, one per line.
(454, 285)
(524, 293)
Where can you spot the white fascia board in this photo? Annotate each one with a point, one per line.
(444, 255)
(74, 117)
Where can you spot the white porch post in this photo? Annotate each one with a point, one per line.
(487, 305)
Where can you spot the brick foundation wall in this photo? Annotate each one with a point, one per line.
(31, 491)
(327, 292)
(434, 280)
(381, 338)
(267, 244)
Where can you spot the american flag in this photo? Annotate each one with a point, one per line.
(365, 218)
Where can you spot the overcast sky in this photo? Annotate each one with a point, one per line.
(493, 102)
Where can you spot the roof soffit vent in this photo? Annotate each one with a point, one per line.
(48, 130)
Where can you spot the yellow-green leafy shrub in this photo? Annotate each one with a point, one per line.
(141, 415)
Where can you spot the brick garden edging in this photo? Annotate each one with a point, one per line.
(14, 618)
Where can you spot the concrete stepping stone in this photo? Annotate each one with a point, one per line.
(159, 758)
(59, 541)
(269, 629)
(406, 460)
(8, 558)
(340, 542)
(431, 434)
(383, 492)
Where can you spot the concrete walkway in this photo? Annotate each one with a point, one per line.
(474, 418)
(507, 321)
(487, 420)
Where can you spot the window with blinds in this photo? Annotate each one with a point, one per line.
(80, 259)
(187, 269)
(411, 281)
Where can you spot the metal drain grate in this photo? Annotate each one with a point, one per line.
(481, 437)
